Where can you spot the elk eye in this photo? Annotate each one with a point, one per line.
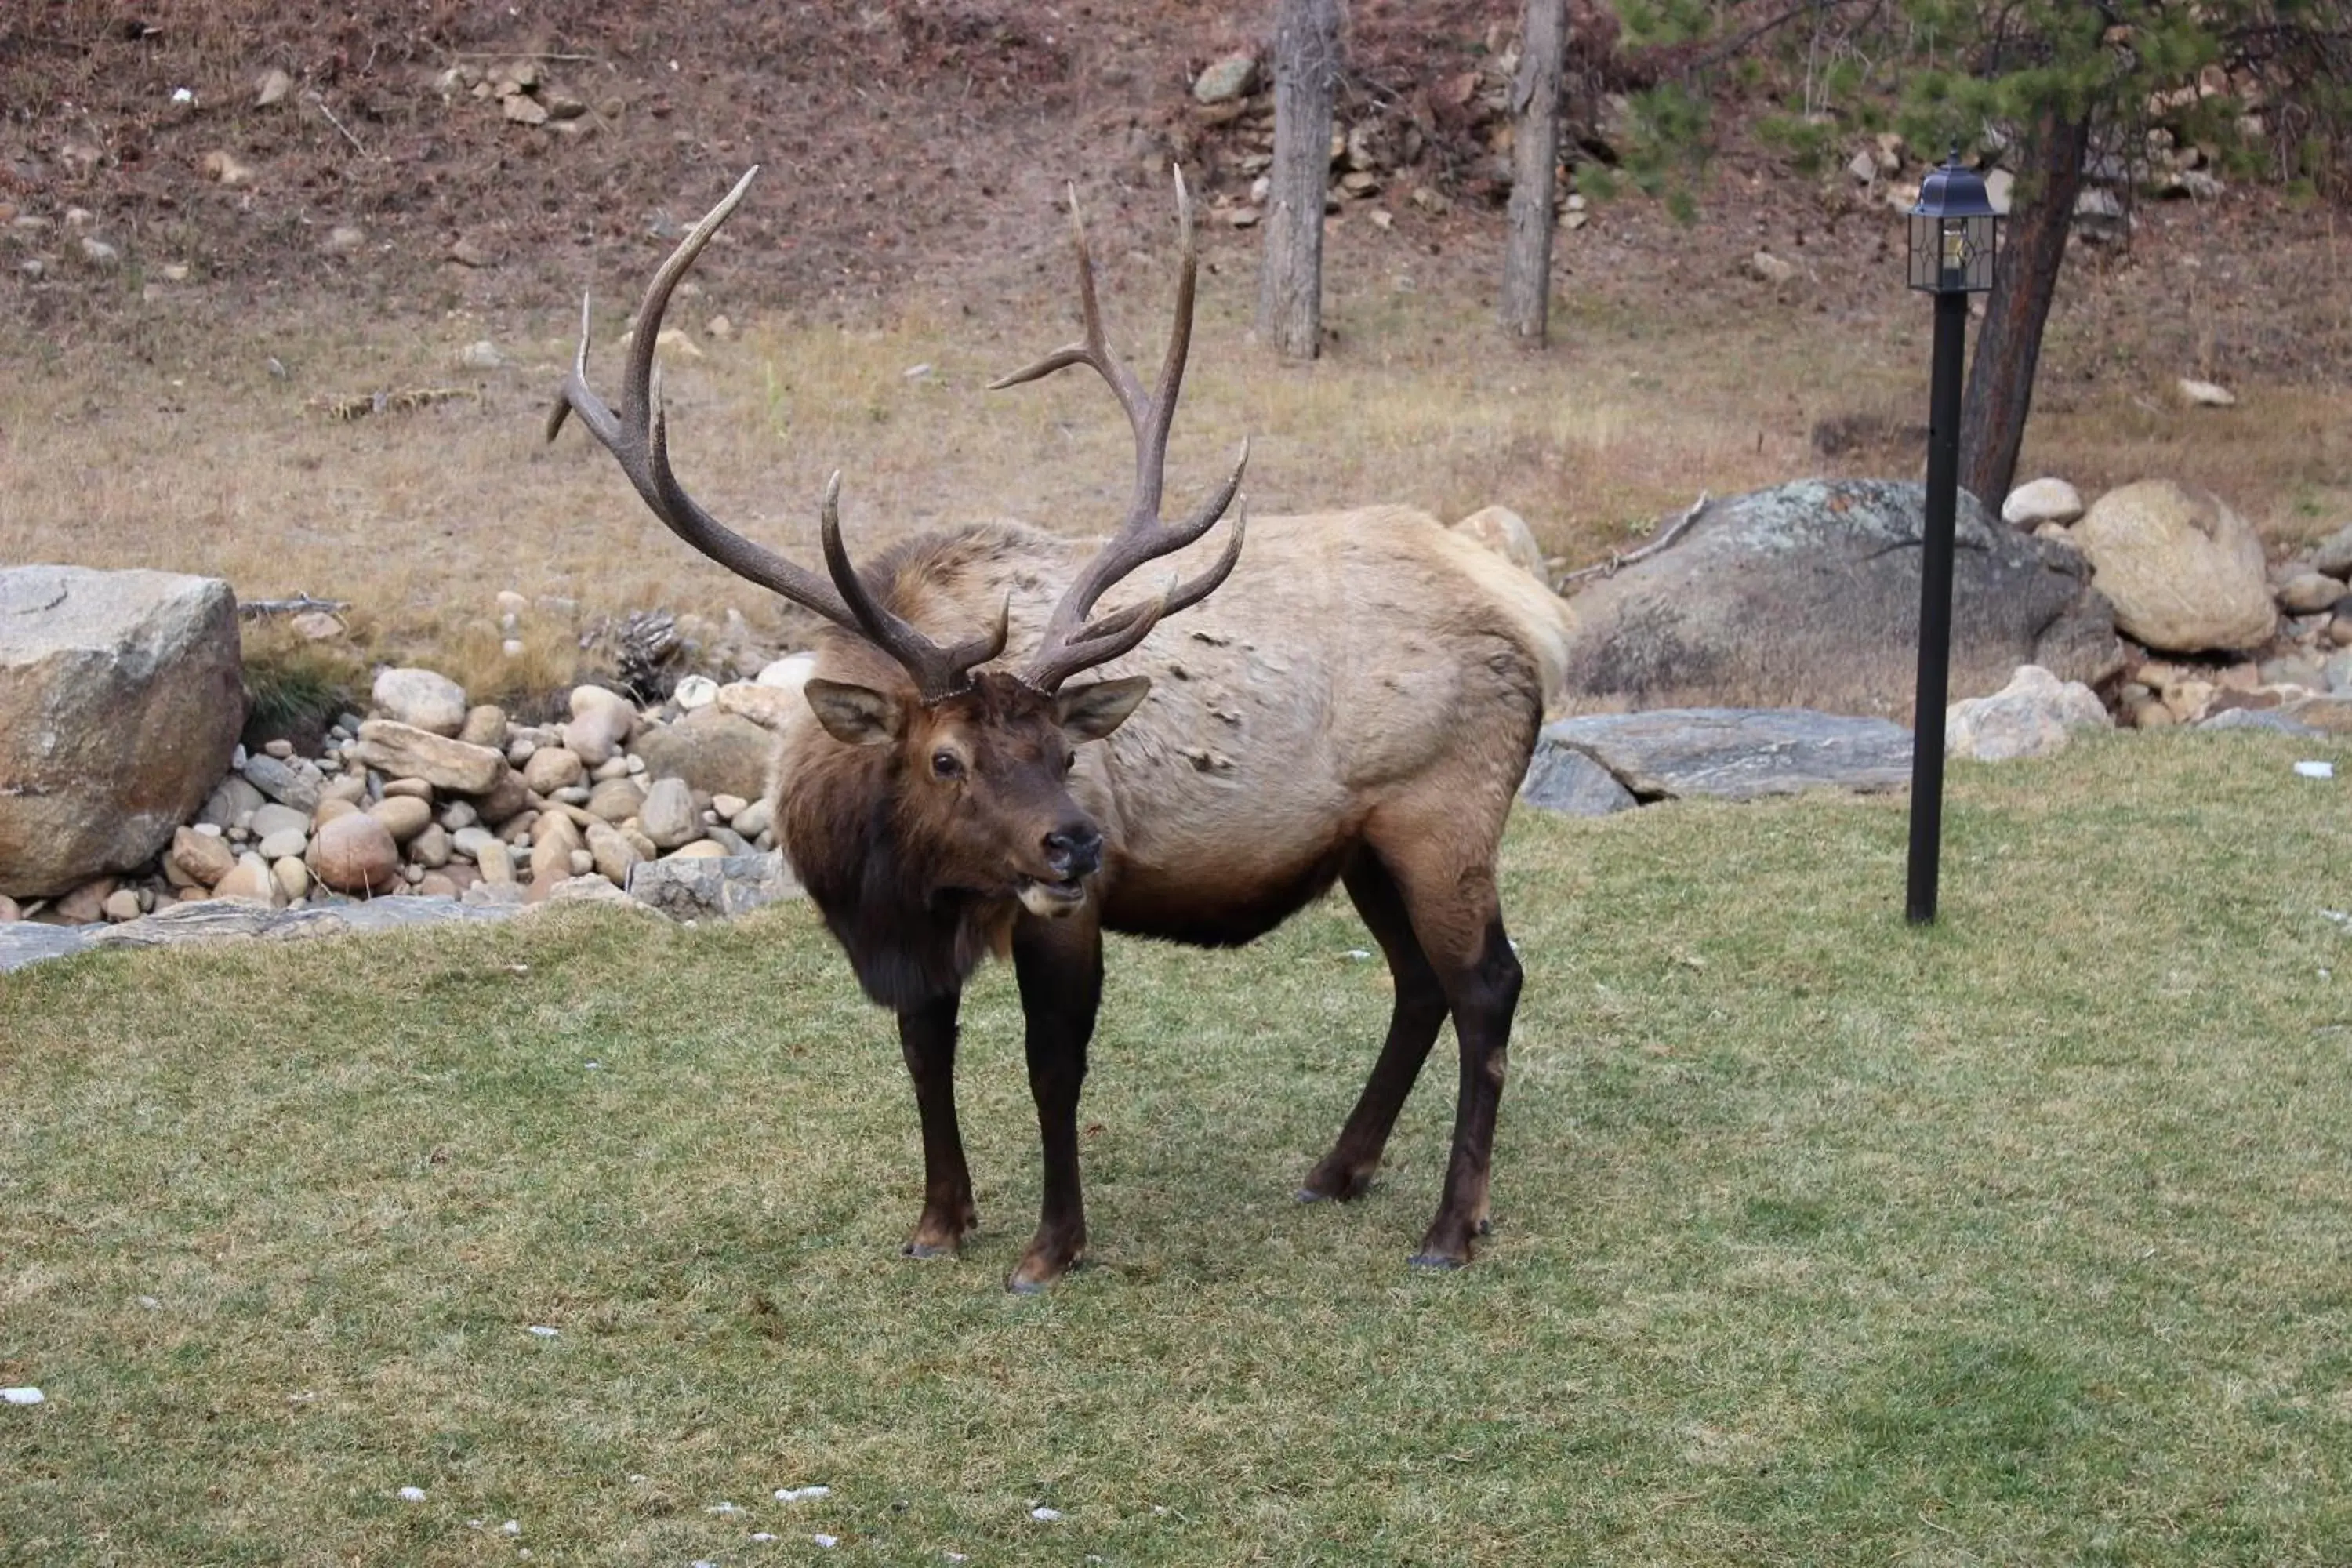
(945, 765)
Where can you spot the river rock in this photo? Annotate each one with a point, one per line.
(249, 881)
(268, 821)
(601, 722)
(422, 698)
(667, 815)
(486, 725)
(715, 752)
(355, 854)
(2309, 593)
(121, 694)
(614, 854)
(404, 816)
(201, 858)
(552, 768)
(2029, 506)
(391, 747)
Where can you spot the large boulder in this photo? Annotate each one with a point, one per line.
(1808, 596)
(2184, 572)
(121, 694)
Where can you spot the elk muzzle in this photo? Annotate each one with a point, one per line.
(1073, 852)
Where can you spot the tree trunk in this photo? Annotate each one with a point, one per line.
(1535, 152)
(1290, 277)
(2009, 344)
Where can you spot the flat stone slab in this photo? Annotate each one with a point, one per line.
(1735, 753)
(29, 941)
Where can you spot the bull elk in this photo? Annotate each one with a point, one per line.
(1354, 701)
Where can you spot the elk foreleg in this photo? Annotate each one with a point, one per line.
(927, 1035)
(1420, 1011)
(1059, 965)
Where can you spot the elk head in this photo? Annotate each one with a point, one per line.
(979, 763)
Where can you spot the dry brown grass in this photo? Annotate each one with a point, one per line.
(201, 459)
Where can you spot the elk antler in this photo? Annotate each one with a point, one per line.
(638, 439)
(1072, 643)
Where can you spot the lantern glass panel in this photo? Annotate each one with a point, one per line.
(1952, 255)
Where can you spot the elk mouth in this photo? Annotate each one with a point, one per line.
(1052, 899)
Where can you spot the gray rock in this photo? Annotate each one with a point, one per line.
(761, 815)
(1222, 82)
(2035, 714)
(1809, 593)
(1562, 779)
(28, 941)
(713, 751)
(713, 887)
(231, 798)
(667, 814)
(284, 842)
(1731, 754)
(2309, 594)
(120, 698)
(271, 817)
(2259, 719)
(288, 784)
(2333, 554)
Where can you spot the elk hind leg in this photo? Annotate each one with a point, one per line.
(1419, 1012)
(1447, 877)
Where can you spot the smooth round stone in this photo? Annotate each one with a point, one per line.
(355, 854)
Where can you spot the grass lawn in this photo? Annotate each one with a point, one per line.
(2026, 1238)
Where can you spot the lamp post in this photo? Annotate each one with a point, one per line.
(1953, 232)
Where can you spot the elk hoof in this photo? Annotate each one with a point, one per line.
(1021, 1285)
(1339, 1187)
(929, 1249)
(1437, 1262)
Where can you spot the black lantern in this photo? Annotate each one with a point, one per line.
(1954, 233)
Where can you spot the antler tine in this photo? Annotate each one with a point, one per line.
(1101, 641)
(1070, 642)
(938, 671)
(638, 439)
(1093, 349)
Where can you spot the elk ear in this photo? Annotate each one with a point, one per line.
(855, 715)
(1090, 712)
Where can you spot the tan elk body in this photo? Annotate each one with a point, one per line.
(1352, 698)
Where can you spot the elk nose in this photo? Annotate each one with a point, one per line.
(1075, 850)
